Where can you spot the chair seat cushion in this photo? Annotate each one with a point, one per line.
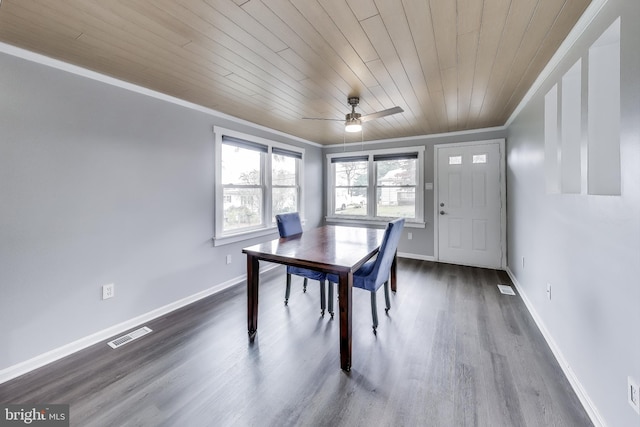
(309, 274)
(374, 273)
(360, 277)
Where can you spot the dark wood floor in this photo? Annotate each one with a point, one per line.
(452, 352)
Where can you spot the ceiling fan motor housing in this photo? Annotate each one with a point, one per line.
(352, 116)
(349, 117)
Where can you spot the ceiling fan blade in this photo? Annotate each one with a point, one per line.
(319, 118)
(383, 113)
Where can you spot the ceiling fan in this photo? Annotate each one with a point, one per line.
(353, 121)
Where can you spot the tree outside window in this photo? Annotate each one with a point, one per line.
(256, 179)
(351, 178)
(242, 191)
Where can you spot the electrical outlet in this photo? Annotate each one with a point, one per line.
(409, 236)
(549, 291)
(228, 259)
(633, 394)
(108, 291)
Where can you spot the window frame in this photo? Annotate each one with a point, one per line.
(267, 225)
(372, 186)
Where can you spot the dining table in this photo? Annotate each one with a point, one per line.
(336, 249)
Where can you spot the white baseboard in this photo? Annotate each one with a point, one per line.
(588, 405)
(68, 349)
(416, 256)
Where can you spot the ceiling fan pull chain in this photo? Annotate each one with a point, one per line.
(344, 138)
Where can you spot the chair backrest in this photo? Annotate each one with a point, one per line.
(382, 266)
(289, 224)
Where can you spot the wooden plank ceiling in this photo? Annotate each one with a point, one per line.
(450, 64)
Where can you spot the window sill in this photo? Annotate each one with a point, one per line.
(367, 221)
(246, 235)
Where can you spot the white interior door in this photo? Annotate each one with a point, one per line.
(469, 204)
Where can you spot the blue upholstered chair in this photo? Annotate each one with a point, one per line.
(375, 273)
(289, 225)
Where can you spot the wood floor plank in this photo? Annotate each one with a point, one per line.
(453, 351)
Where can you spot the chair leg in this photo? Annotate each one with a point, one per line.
(330, 293)
(304, 285)
(288, 291)
(323, 302)
(374, 311)
(386, 297)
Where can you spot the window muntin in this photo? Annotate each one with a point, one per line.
(255, 179)
(379, 185)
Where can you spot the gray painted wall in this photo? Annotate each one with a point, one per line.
(422, 244)
(99, 185)
(103, 185)
(587, 247)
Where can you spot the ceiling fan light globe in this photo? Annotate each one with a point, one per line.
(353, 126)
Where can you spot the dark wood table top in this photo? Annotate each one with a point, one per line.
(331, 248)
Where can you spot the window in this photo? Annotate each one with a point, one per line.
(376, 186)
(479, 158)
(351, 177)
(455, 160)
(256, 180)
(284, 176)
(242, 189)
(396, 185)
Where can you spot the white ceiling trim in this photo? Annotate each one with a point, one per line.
(420, 137)
(74, 69)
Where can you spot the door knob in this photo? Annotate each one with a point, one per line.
(441, 212)
(441, 204)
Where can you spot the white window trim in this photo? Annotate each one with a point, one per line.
(268, 226)
(417, 222)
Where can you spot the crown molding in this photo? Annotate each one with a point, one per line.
(74, 69)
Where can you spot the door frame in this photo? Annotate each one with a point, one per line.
(503, 196)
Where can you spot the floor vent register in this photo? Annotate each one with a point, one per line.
(506, 290)
(119, 342)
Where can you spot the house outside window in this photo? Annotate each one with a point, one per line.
(256, 179)
(242, 188)
(351, 184)
(376, 186)
(396, 180)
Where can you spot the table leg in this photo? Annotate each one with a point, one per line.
(394, 268)
(344, 290)
(253, 270)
